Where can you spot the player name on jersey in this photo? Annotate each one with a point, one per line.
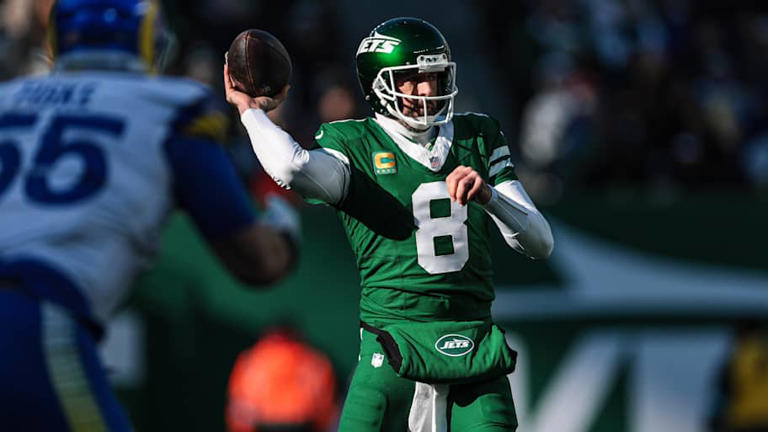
(53, 93)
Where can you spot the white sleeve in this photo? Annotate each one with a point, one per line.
(321, 174)
(521, 224)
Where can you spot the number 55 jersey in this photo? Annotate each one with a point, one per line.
(90, 166)
(413, 245)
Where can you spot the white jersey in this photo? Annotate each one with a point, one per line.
(84, 182)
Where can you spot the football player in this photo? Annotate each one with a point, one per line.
(93, 159)
(415, 187)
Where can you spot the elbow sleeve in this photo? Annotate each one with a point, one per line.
(316, 174)
(538, 238)
(279, 155)
(523, 227)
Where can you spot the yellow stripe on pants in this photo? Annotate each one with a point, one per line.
(66, 371)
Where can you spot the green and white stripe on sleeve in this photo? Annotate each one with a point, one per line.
(500, 166)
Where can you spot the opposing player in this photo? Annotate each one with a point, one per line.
(92, 160)
(415, 187)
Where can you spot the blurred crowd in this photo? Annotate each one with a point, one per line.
(660, 94)
(666, 95)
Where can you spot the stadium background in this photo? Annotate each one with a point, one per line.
(639, 127)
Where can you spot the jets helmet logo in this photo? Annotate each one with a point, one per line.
(378, 43)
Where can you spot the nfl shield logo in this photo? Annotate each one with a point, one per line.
(377, 360)
(434, 161)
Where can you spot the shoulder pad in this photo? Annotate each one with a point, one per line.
(203, 117)
(336, 134)
(480, 122)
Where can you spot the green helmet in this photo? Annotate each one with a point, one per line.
(404, 46)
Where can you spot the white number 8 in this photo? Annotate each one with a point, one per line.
(429, 228)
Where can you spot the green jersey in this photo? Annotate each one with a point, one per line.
(407, 235)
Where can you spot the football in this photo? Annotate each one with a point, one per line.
(259, 64)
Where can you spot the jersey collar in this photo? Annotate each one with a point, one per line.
(433, 158)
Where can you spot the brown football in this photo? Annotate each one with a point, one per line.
(259, 64)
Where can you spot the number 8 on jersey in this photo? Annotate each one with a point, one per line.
(441, 239)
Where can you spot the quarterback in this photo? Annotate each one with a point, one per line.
(415, 187)
(93, 158)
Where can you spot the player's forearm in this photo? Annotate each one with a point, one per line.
(313, 174)
(524, 228)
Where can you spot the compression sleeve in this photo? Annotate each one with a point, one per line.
(321, 174)
(523, 227)
(208, 188)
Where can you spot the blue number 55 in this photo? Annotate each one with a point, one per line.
(52, 147)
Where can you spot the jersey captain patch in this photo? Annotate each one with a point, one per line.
(384, 163)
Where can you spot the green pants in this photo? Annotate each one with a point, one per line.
(380, 401)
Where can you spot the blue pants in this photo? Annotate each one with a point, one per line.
(51, 378)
